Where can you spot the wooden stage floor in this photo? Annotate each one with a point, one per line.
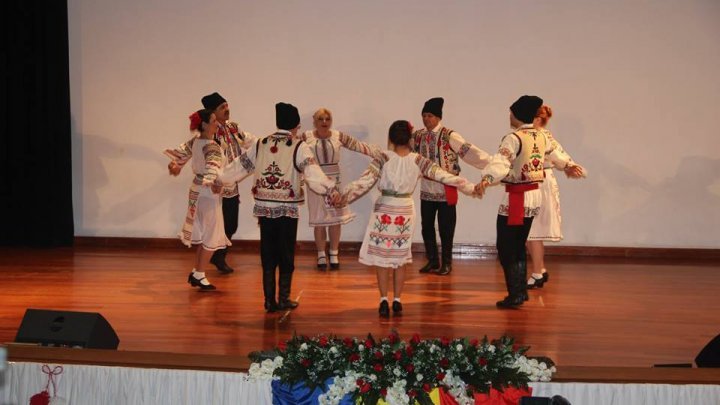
(593, 312)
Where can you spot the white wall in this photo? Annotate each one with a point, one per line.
(633, 85)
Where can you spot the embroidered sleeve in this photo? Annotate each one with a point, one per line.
(312, 173)
(213, 159)
(182, 154)
(555, 153)
(247, 140)
(239, 168)
(468, 152)
(499, 164)
(355, 145)
(433, 171)
(367, 180)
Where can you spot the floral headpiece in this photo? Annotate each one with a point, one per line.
(195, 121)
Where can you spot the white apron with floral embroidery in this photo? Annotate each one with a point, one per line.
(388, 237)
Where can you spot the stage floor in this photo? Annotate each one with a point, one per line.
(593, 312)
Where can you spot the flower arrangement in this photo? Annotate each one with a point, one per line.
(399, 371)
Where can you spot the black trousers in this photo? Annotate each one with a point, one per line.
(512, 253)
(447, 217)
(230, 215)
(277, 249)
(230, 221)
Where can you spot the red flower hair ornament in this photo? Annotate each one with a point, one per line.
(195, 121)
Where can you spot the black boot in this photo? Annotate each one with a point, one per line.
(284, 285)
(517, 289)
(446, 267)
(432, 265)
(218, 259)
(431, 254)
(269, 290)
(521, 282)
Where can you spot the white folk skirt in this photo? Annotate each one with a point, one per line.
(208, 226)
(547, 223)
(388, 237)
(322, 214)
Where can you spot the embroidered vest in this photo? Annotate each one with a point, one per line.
(277, 179)
(438, 150)
(528, 164)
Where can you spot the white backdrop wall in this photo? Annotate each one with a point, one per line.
(633, 84)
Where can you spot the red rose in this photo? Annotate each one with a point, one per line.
(323, 341)
(354, 357)
(482, 361)
(383, 392)
(410, 368)
(378, 367)
(400, 220)
(393, 336)
(409, 351)
(369, 343)
(360, 382)
(515, 347)
(412, 393)
(426, 387)
(282, 345)
(444, 341)
(397, 355)
(440, 376)
(348, 342)
(306, 362)
(444, 362)
(365, 388)
(474, 343)
(378, 355)
(385, 219)
(415, 339)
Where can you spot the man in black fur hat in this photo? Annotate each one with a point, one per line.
(519, 166)
(278, 162)
(444, 147)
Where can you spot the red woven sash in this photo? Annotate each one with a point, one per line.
(516, 198)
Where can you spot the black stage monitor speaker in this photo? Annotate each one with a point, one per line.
(710, 355)
(67, 329)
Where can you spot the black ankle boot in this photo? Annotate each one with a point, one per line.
(431, 266)
(510, 302)
(288, 304)
(445, 269)
(284, 284)
(271, 306)
(218, 259)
